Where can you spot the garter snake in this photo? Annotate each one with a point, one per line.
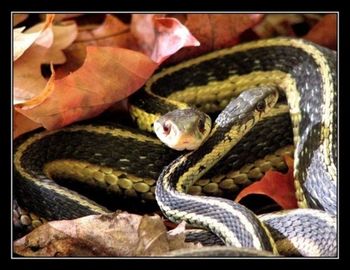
(304, 71)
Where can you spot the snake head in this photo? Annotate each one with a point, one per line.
(183, 129)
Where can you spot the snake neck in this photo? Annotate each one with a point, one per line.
(233, 223)
(306, 74)
(313, 110)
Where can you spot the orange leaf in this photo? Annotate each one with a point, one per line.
(112, 32)
(215, 31)
(325, 32)
(171, 36)
(66, 16)
(22, 124)
(142, 27)
(277, 186)
(28, 80)
(19, 17)
(161, 37)
(107, 76)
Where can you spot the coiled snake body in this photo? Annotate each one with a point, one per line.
(306, 75)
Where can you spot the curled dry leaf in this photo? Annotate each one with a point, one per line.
(277, 186)
(64, 35)
(142, 27)
(22, 124)
(161, 37)
(22, 41)
(278, 25)
(61, 17)
(108, 75)
(114, 234)
(214, 31)
(18, 18)
(177, 238)
(112, 32)
(171, 36)
(102, 76)
(325, 32)
(28, 80)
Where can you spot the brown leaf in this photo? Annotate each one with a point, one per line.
(160, 37)
(28, 80)
(277, 186)
(22, 124)
(112, 32)
(40, 34)
(177, 238)
(18, 18)
(142, 27)
(107, 76)
(152, 237)
(64, 35)
(214, 31)
(171, 36)
(101, 77)
(324, 32)
(114, 234)
(61, 17)
(278, 25)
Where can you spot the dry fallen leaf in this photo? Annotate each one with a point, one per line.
(117, 234)
(66, 16)
(325, 32)
(214, 31)
(18, 18)
(278, 25)
(108, 75)
(28, 80)
(161, 37)
(142, 27)
(112, 32)
(171, 36)
(277, 186)
(95, 77)
(42, 35)
(22, 124)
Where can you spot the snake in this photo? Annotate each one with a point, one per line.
(236, 81)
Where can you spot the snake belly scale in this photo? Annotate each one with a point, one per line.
(303, 71)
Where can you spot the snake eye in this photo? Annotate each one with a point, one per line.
(260, 106)
(201, 126)
(166, 128)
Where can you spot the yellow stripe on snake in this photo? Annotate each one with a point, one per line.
(241, 81)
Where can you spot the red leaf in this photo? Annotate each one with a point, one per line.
(22, 124)
(277, 186)
(214, 31)
(107, 76)
(171, 36)
(112, 33)
(96, 77)
(161, 37)
(325, 32)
